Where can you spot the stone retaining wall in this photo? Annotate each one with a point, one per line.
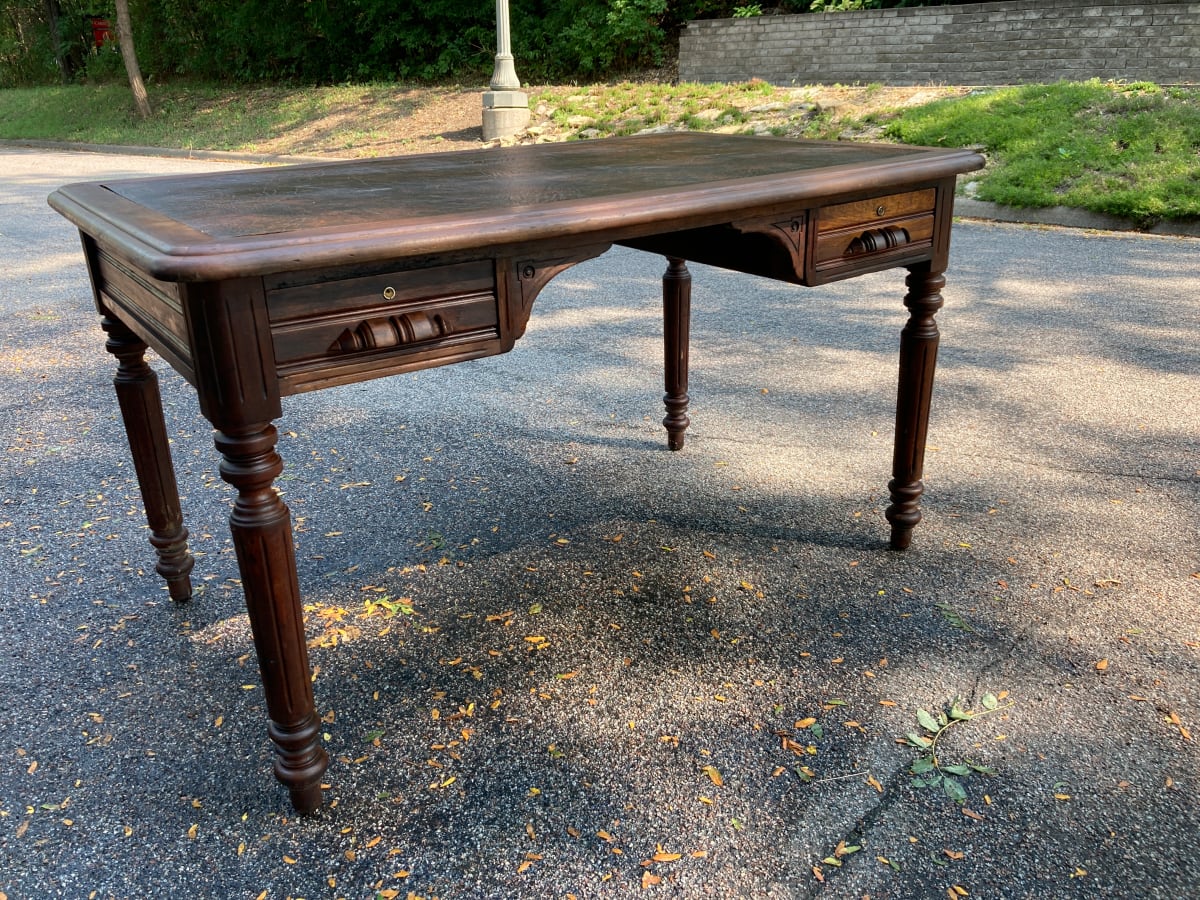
(1014, 42)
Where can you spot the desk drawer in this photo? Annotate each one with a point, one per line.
(422, 316)
(866, 234)
(851, 245)
(866, 213)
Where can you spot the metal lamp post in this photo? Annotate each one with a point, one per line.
(505, 105)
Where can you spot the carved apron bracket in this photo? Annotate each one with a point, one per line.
(527, 276)
(788, 235)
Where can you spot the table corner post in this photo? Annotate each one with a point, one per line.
(238, 388)
(140, 402)
(677, 308)
(918, 359)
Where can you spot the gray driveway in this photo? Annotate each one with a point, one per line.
(548, 651)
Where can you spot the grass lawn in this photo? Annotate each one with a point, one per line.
(1127, 150)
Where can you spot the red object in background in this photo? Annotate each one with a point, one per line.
(101, 32)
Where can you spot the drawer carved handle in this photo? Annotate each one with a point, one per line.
(875, 239)
(392, 331)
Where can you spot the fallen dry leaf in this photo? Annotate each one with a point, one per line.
(713, 775)
(789, 744)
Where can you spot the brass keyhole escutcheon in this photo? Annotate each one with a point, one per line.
(880, 210)
(389, 293)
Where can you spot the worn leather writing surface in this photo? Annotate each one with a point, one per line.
(272, 201)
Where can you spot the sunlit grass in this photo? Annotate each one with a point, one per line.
(1129, 150)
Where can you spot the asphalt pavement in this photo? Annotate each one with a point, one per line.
(554, 659)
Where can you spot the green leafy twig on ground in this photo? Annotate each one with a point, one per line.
(954, 617)
(930, 771)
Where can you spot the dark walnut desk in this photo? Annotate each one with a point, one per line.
(256, 285)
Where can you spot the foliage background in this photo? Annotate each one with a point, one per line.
(334, 41)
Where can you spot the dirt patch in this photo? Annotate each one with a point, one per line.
(390, 122)
(402, 120)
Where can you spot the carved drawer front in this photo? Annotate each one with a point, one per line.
(862, 235)
(419, 317)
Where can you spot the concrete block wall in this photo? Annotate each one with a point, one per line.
(1013, 42)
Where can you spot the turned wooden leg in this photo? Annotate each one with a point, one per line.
(918, 357)
(262, 535)
(142, 413)
(677, 307)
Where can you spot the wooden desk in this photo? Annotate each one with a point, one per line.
(255, 285)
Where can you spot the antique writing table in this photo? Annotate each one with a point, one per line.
(258, 284)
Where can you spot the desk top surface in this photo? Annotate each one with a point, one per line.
(252, 221)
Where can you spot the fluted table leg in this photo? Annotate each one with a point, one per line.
(677, 310)
(918, 358)
(142, 413)
(262, 535)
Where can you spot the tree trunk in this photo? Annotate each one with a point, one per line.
(56, 39)
(125, 39)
